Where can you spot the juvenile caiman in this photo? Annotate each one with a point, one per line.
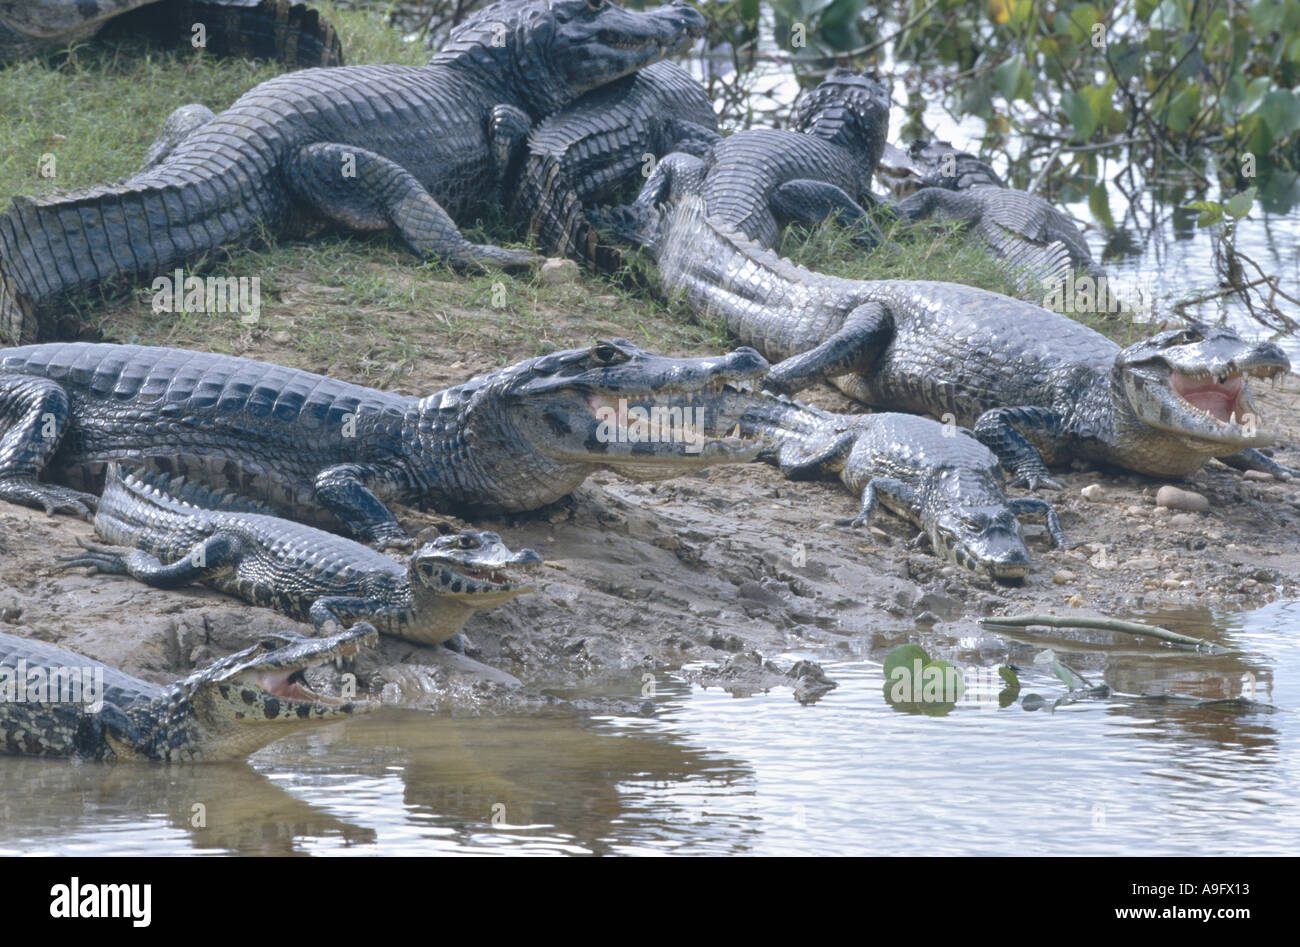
(225, 711)
(185, 533)
(759, 180)
(290, 33)
(1034, 385)
(1021, 229)
(325, 451)
(365, 147)
(598, 147)
(934, 475)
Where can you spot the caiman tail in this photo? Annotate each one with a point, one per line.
(289, 33)
(61, 245)
(556, 220)
(292, 34)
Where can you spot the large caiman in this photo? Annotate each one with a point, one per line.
(1035, 386)
(325, 452)
(407, 148)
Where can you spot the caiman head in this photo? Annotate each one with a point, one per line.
(850, 109)
(932, 163)
(251, 698)
(1192, 383)
(472, 567)
(617, 407)
(552, 51)
(982, 537)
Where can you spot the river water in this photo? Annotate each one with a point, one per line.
(709, 773)
(714, 774)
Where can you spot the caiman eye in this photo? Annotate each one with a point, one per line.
(467, 542)
(267, 644)
(607, 354)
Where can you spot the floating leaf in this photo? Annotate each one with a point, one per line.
(1239, 205)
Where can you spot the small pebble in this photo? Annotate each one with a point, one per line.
(1093, 492)
(1183, 520)
(1063, 577)
(557, 270)
(1260, 475)
(1143, 564)
(1176, 498)
(1076, 601)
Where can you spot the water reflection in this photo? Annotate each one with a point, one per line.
(711, 773)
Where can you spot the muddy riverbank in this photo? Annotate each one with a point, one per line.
(705, 570)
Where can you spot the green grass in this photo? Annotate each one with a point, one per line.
(362, 306)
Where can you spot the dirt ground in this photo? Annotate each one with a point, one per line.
(704, 570)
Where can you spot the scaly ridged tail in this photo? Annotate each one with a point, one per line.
(54, 246)
(557, 222)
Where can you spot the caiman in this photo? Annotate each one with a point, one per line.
(1041, 245)
(595, 149)
(758, 181)
(326, 452)
(290, 33)
(225, 711)
(186, 533)
(406, 148)
(1035, 386)
(937, 476)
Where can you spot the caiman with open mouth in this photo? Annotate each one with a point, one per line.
(225, 711)
(329, 453)
(1032, 384)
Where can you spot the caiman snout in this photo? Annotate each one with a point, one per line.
(691, 20)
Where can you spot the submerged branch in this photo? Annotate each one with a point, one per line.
(1106, 624)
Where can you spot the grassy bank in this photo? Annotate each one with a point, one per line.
(362, 305)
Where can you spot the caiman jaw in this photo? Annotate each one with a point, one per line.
(1205, 406)
(676, 417)
(475, 567)
(269, 683)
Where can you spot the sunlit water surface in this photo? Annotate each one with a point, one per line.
(712, 773)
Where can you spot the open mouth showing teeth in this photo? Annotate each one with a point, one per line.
(667, 417)
(1218, 397)
(292, 685)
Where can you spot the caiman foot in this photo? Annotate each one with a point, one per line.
(102, 559)
(49, 497)
(385, 537)
(1251, 459)
(479, 256)
(1034, 477)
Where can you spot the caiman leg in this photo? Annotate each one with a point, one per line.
(344, 492)
(658, 186)
(205, 559)
(508, 133)
(34, 414)
(998, 431)
(365, 191)
(349, 611)
(814, 202)
(901, 493)
(852, 348)
(689, 137)
(1033, 508)
(180, 124)
(1251, 459)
